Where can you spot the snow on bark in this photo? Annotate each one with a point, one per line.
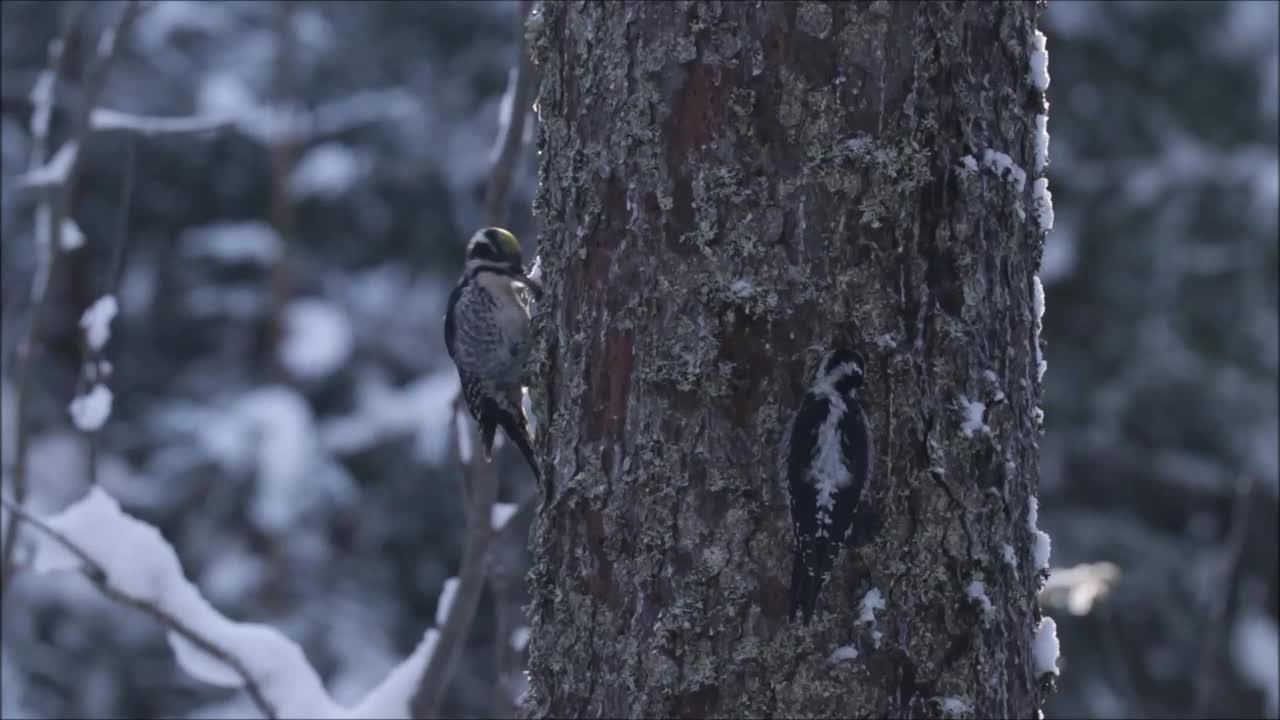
(822, 147)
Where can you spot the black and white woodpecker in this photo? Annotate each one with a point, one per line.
(828, 466)
(486, 331)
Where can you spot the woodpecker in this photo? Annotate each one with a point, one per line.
(486, 331)
(827, 465)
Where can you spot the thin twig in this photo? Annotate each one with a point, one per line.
(509, 150)
(481, 477)
(498, 588)
(47, 256)
(97, 574)
(1216, 625)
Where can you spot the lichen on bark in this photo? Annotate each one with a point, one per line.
(727, 189)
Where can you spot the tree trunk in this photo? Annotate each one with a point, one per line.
(727, 189)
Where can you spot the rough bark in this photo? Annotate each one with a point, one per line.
(726, 190)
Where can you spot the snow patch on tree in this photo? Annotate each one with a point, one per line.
(974, 412)
(1004, 166)
(843, 653)
(1041, 544)
(1043, 203)
(1037, 307)
(871, 602)
(977, 592)
(1039, 72)
(1045, 647)
(1042, 143)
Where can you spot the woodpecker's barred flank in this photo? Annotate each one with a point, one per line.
(827, 465)
(486, 331)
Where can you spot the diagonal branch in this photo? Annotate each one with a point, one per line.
(97, 574)
(43, 96)
(481, 477)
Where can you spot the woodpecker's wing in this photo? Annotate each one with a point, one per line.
(801, 447)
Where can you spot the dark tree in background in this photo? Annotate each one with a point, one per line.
(726, 190)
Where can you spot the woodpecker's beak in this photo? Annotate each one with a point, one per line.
(530, 283)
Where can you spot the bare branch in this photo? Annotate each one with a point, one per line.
(98, 576)
(481, 476)
(523, 78)
(47, 253)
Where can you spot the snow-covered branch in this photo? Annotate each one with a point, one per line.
(132, 563)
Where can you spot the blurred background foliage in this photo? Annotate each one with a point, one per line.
(282, 391)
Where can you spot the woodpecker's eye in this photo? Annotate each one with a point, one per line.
(483, 250)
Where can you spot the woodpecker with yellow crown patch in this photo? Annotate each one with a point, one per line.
(486, 331)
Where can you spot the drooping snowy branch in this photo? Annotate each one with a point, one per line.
(132, 563)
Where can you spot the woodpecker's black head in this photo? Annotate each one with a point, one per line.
(495, 250)
(841, 369)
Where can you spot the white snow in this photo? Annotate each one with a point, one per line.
(499, 514)
(1005, 167)
(1254, 651)
(871, 602)
(422, 408)
(41, 97)
(1042, 143)
(72, 237)
(56, 170)
(973, 414)
(978, 593)
(1043, 203)
(526, 404)
(1041, 544)
(1045, 647)
(520, 638)
(90, 411)
(970, 163)
(268, 432)
(1039, 74)
(140, 564)
(318, 338)
(328, 170)
(1010, 558)
(445, 602)
(955, 706)
(1037, 307)
(391, 698)
(233, 242)
(535, 270)
(741, 288)
(463, 430)
(96, 321)
(104, 120)
(843, 653)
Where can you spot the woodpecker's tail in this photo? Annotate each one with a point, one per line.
(519, 434)
(806, 583)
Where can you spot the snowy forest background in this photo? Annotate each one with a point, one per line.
(282, 397)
